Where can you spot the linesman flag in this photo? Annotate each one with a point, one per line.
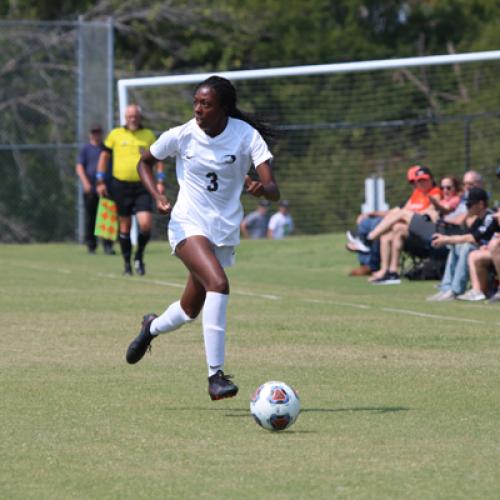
(106, 222)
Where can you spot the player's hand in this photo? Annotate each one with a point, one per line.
(255, 188)
(101, 189)
(163, 205)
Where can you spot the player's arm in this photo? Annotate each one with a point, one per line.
(102, 166)
(266, 186)
(145, 170)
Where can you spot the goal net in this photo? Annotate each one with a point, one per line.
(342, 123)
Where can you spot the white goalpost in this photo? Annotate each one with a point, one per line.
(342, 123)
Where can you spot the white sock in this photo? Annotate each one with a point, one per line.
(214, 330)
(174, 317)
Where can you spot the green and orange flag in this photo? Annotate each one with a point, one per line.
(106, 223)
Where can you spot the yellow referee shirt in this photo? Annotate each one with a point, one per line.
(127, 146)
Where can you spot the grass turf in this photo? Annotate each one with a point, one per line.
(399, 396)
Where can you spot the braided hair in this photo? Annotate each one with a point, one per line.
(226, 94)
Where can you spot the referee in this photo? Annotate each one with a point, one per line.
(125, 145)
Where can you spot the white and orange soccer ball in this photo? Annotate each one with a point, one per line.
(275, 406)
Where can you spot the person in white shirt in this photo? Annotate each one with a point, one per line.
(281, 223)
(214, 152)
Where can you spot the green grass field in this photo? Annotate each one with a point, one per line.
(400, 397)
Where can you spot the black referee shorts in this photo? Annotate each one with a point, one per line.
(131, 197)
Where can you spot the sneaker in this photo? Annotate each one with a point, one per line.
(472, 296)
(495, 298)
(140, 269)
(389, 278)
(354, 242)
(435, 297)
(220, 386)
(127, 270)
(140, 344)
(446, 296)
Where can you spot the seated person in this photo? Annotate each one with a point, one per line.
(450, 198)
(480, 262)
(369, 251)
(479, 232)
(393, 230)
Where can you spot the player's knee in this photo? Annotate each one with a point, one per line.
(219, 284)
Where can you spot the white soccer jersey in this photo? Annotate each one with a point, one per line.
(211, 173)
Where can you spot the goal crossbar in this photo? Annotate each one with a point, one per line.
(319, 69)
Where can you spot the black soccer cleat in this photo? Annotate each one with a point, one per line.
(127, 270)
(220, 386)
(142, 342)
(140, 268)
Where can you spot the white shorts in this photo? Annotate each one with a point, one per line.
(226, 254)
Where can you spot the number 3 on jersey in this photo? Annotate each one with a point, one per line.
(213, 186)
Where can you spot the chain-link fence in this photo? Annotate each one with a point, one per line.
(55, 79)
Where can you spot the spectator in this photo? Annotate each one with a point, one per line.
(126, 145)
(471, 179)
(86, 168)
(281, 223)
(450, 197)
(393, 230)
(369, 257)
(254, 225)
(456, 272)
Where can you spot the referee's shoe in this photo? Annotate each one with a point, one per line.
(142, 342)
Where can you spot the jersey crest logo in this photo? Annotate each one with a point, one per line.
(229, 159)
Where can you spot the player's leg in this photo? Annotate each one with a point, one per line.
(171, 319)
(198, 255)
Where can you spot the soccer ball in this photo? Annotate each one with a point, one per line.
(275, 406)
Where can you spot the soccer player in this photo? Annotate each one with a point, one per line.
(126, 144)
(214, 152)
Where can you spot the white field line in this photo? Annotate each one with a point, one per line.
(171, 284)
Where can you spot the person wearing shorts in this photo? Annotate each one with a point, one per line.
(125, 145)
(214, 152)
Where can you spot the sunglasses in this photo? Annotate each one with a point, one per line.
(446, 187)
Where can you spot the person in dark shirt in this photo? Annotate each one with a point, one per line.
(481, 230)
(86, 168)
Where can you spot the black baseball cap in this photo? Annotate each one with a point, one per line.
(475, 195)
